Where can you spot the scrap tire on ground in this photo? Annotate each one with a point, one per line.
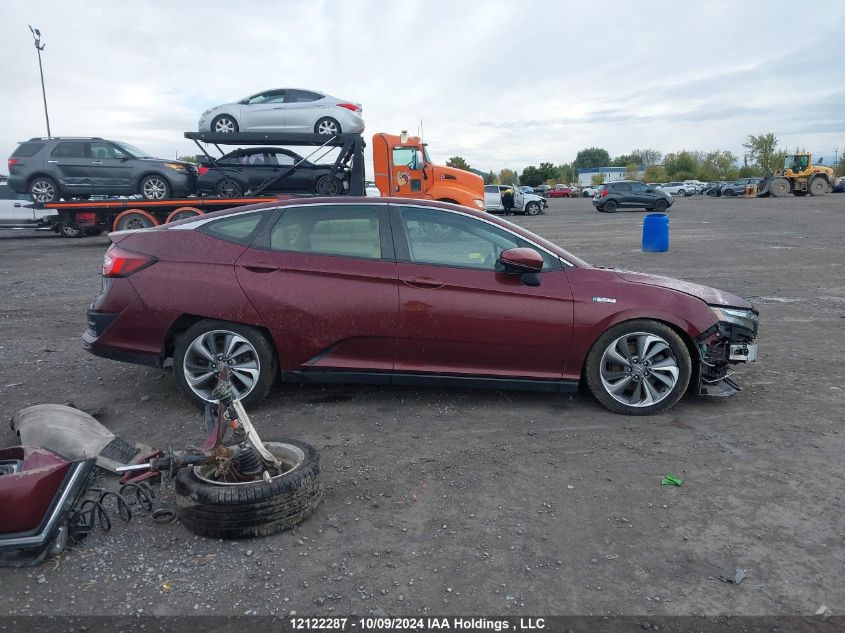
(253, 509)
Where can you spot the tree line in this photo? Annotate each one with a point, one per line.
(762, 155)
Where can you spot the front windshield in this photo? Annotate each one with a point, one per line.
(137, 152)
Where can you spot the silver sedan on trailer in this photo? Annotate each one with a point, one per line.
(285, 110)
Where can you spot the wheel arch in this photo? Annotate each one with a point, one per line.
(183, 323)
(136, 188)
(677, 325)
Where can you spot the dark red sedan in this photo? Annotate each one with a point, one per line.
(562, 192)
(394, 291)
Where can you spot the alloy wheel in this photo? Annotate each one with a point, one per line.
(154, 189)
(327, 126)
(216, 346)
(42, 191)
(224, 125)
(639, 369)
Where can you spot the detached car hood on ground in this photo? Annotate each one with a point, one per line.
(711, 296)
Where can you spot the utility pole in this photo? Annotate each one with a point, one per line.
(36, 35)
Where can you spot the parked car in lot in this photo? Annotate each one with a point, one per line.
(247, 169)
(562, 192)
(401, 291)
(52, 168)
(285, 110)
(527, 203)
(696, 186)
(677, 189)
(630, 194)
(713, 189)
(589, 192)
(839, 186)
(737, 188)
(542, 190)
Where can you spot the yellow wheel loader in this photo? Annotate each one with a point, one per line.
(799, 176)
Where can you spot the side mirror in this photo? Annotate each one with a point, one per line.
(649, 190)
(522, 261)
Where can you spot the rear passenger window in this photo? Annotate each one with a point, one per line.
(237, 229)
(349, 231)
(622, 187)
(69, 150)
(25, 150)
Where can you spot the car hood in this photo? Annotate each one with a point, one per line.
(711, 296)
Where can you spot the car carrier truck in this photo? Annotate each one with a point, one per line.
(402, 169)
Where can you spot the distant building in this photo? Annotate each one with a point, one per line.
(585, 176)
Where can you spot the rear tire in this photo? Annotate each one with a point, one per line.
(134, 219)
(246, 510)
(625, 382)
(610, 206)
(70, 230)
(817, 186)
(729, 193)
(328, 186)
(328, 126)
(44, 189)
(255, 353)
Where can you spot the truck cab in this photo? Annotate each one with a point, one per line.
(403, 169)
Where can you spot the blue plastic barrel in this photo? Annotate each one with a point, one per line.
(656, 233)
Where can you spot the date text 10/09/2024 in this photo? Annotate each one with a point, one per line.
(467, 625)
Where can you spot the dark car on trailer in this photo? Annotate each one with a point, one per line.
(281, 170)
(396, 291)
(52, 168)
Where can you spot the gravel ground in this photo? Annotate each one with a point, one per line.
(475, 502)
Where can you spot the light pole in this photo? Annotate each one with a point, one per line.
(36, 35)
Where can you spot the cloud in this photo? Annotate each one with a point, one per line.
(502, 84)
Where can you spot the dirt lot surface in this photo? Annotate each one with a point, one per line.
(477, 502)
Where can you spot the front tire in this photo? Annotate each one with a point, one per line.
(729, 193)
(638, 367)
(229, 188)
(532, 208)
(328, 126)
(246, 510)
(660, 206)
(44, 189)
(154, 187)
(248, 352)
(780, 187)
(224, 124)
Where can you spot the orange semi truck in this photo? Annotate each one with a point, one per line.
(403, 169)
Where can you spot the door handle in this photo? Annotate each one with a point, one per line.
(422, 282)
(260, 268)
(96, 162)
(278, 108)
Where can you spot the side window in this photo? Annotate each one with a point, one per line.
(68, 149)
(301, 96)
(403, 156)
(638, 187)
(286, 160)
(491, 189)
(622, 187)
(450, 239)
(347, 231)
(234, 159)
(238, 228)
(103, 150)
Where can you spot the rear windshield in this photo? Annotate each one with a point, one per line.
(25, 150)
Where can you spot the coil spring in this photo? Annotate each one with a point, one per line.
(87, 514)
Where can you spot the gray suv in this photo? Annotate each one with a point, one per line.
(630, 194)
(59, 167)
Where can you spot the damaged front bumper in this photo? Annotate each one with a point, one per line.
(724, 344)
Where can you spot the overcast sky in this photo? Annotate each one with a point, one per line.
(501, 83)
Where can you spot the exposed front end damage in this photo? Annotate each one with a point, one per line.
(728, 342)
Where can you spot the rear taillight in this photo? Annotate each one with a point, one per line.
(85, 218)
(13, 161)
(202, 169)
(118, 262)
(350, 106)
(604, 193)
